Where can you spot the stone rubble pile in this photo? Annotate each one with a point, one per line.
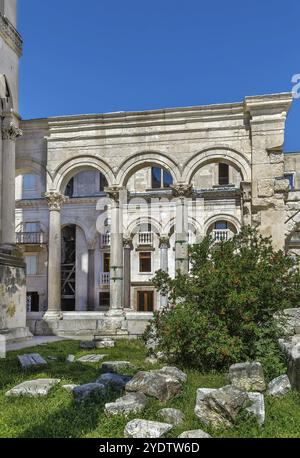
(215, 407)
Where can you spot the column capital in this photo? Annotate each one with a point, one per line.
(182, 190)
(91, 244)
(114, 192)
(11, 131)
(55, 200)
(127, 242)
(164, 241)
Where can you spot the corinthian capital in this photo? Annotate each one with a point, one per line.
(11, 132)
(164, 241)
(182, 190)
(113, 192)
(55, 200)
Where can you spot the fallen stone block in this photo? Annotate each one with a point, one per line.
(115, 366)
(146, 429)
(195, 434)
(70, 359)
(104, 343)
(114, 381)
(31, 360)
(220, 407)
(247, 376)
(91, 358)
(279, 386)
(257, 407)
(87, 344)
(173, 416)
(202, 392)
(174, 372)
(160, 385)
(33, 388)
(130, 403)
(84, 392)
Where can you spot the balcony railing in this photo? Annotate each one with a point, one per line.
(221, 235)
(105, 277)
(30, 238)
(146, 238)
(105, 239)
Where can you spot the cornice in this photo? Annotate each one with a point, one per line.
(10, 35)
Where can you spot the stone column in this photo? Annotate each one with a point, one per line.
(55, 200)
(116, 252)
(10, 132)
(91, 277)
(182, 192)
(127, 243)
(164, 265)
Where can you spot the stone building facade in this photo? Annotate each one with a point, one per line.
(103, 201)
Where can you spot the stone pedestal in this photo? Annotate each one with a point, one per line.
(12, 297)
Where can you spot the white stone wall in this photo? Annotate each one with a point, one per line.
(188, 142)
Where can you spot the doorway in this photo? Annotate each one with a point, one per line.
(145, 301)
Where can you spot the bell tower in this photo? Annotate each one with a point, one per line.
(12, 268)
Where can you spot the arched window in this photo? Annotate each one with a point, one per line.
(222, 230)
(223, 174)
(160, 178)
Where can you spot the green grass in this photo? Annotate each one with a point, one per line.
(58, 415)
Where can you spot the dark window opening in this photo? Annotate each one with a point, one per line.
(160, 178)
(68, 268)
(221, 225)
(168, 180)
(103, 182)
(156, 177)
(145, 262)
(104, 299)
(70, 188)
(33, 302)
(106, 262)
(223, 174)
(145, 301)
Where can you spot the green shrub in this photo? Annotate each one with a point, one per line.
(224, 310)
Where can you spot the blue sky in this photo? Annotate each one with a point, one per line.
(98, 56)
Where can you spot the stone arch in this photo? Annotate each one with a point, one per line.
(65, 171)
(191, 222)
(67, 221)
(217, 154)
(145, 159)
(24, 165)
(144, 220)
(222, 217)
